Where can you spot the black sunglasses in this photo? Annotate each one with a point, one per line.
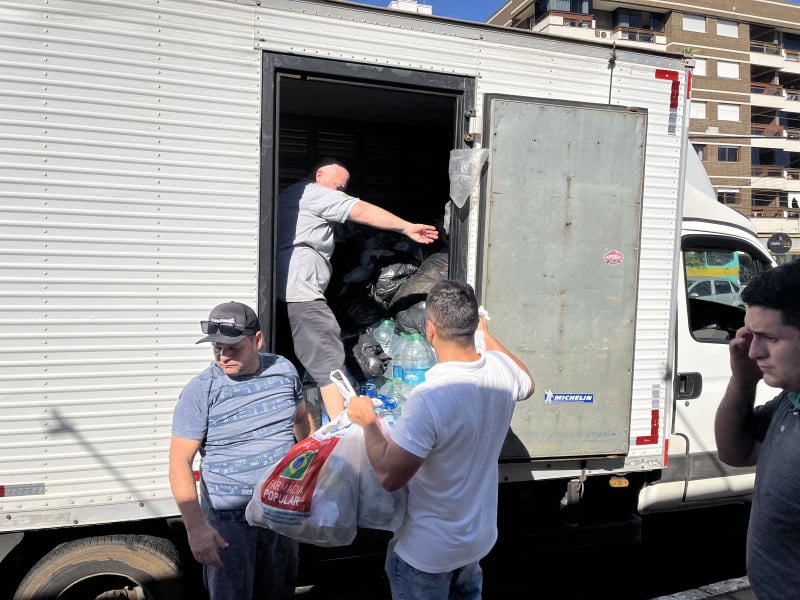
(226, 327)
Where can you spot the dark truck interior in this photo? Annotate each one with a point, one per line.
(395, 140)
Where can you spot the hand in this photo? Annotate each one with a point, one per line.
(742, 366)
(205, 543)
(361, 411)
(483, 325)
(423, 234)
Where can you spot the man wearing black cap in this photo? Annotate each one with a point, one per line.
(243, 413)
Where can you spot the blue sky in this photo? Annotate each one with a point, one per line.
(468, 10)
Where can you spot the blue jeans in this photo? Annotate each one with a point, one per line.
(408, 583)
(258, 563)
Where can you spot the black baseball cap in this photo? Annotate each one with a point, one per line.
(229, 323)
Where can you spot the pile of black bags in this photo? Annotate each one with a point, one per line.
(386, 276)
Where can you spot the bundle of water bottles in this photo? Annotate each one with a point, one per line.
(411, 357)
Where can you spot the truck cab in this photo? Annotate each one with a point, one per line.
(718, 244)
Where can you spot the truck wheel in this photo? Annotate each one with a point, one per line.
(108, 567)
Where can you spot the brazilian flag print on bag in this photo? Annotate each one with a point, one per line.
(311, 494)
(324, 489)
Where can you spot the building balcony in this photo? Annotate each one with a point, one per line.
(767, 94)
(775, 178)
(792, 103)
(775, 56)
(578, 25)
(775, 136)
(766, 48)
(770, 131)
(792, 64)
(557, 21)
(773, 212)
(633, 34)
(767, 90)
(771, 95)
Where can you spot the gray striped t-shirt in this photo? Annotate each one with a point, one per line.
(247, 424)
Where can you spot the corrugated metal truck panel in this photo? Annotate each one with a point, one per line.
(129, 190)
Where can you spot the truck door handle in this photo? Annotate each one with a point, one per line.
(690, 385)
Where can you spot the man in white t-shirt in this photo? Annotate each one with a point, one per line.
(307, 212)
(445, 448)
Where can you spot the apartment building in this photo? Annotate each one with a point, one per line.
(745, 117)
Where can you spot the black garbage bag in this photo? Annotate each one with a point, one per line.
(369, 358)
(416, 287)
(362, 312)
(412, 319)
(390, 278)
(355, 311)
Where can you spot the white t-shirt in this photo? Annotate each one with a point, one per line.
(457, 420)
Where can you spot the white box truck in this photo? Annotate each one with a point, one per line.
(142, 149)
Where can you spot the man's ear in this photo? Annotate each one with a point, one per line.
(259, 340)
(430, 331)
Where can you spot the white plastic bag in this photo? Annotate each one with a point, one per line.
(311, 494)
(324, 489)
(377, 508)
(464, 171)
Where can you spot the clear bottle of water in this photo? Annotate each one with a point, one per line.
(394, 344)
(387, 389)
(397, 364)
(383, 333)
(417, 357)
(389, 409)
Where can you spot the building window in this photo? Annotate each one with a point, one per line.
(727, 28)
(694, 23)
(583, 7)
(790, 41)
(698, 110)
(728, 154)
(728, 196)
(700, 149)
(727, 69)
(637, 19)
(727, 112)
(700, 67)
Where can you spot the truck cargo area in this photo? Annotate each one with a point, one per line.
(394, 132)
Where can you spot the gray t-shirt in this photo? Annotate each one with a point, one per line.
(247, 425)
(773, 562)
(306, 239)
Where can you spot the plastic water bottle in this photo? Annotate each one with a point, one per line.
(369, 388)
(417, 359)
(387, 389)
(388, 409)
(383, 333)
(388, 371)
(397, 364)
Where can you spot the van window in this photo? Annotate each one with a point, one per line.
(714, 278)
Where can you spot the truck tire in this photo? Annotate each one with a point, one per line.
(111, 567)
